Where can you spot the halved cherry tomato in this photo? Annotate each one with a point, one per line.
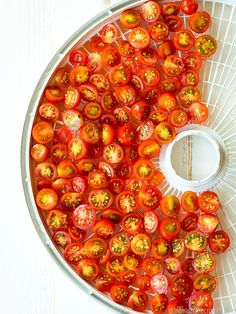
(79, 75)
(134, 185)
(100, 81)
(46, 199)
(204, 262)
(85, 166)
(70, 200)
(77, 57)
(88, 269)
(62, 77)
(54, 94)
(104, 282)
(48, 112)
(84, 217)
(198, 112)
(123, 170)
(158, 31)
(95, 247)
(42, 132)
(166, 48)
(122, 115)
(183, 40)
(115, 266)
(159, 283)
(104, 229)
(126, 202)
(171, 85)
(61, 238)
(119, 244)
(159, 303)
(71, 98)
(77, 149)
(90, 133)
(113, 153)
(208, 202)
(117, 185)
(88, 92)
(164, 133)
(178, 118)
(148, 149)
(169, 228)
(108, 134)
(137, 83)
(204, 283)
(73, 119)
(125, 49)
(66, 169)
(111, 57)
(139, 38)
(138, 301)
(157, 178)
(205, 46)
(189, 201)
(128, 277)
(76, 233)
(173, 22)
(207, 223)
(173, 65)
(173, 265)
(187, 267)
(151, 221)
(126, 134)
(143, 169)
(97, 179)
(149, 197)
(150, 11)
(192, 60)
(177, 247)
(199, 21)
(95, 61)
(152, 266)
(166, 101)
(196, 241)
(147, 56)
(132, 261)
(181, 286)
(189, 222)
(119, 75)
(108, 101)
(100, 199)
(107, 169)
(160, 248)
(150, 76)
(73, 253)
(120, 293)
(177, 306)
(140, 110)
(150, 95)
(158, 115)
(140, 244)
(92, 111)
(170, 8)
(189, 6)
(97, 44)
(39, 152)
(62, 186)
(143, 282)
(170, 205)
(62, 135)
(113, 215)
(56, 219)
(125, 95)
(130, 18)
(132, 223)
(109, 33)
(189, 78)
(219, 242)
(201, 302)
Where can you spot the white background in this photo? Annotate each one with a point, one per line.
(31, 31)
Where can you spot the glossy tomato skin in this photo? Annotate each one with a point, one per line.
(173, 22)
(166, 48)
(130, 18)
(148, 149)
(189, 6)
(113, 215)
(116, 185)
(126, 134)
(173, 65)
(54, 94)
(143, 282)
(77, 57)
(189, 222)
(187, 267)
(39, 152)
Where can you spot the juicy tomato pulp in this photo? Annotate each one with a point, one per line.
(96, 140)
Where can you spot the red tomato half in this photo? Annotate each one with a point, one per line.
(209, 202)
(149, 197)
(169, 228)
(201, 302)
(139, 38)
(189, 6)
(150, 11)
(84, 217)
(198, 112)
(199, 21)
(181, 286)
(219, 241)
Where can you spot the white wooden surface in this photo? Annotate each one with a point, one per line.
(31, 31)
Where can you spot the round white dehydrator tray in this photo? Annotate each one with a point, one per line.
(200, 157)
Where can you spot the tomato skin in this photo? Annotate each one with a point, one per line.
(170, 205)
(189, 201)
(159, 303)
(39, 152)
(143, 282)
(205, 46)
(108, 101)
(120, 293)
(75, 233)
(62, 77)
(189, 6)
(66, 169)
(62, 136)
(104, 282)
(62, 186)
(147, 56)
(170, 8)
(95, 61)
(207, 223)
(152, 266)
(107, 169)
(189, 222)
(173, 22)
(113, 215)
(149, 197)
(164, 133)
(150, 11)
(169, 228)
(89, 133)
(187, 267)
(208, 202)
(166, 48)
(128, 277)
(173, 265)
(137, 83)
(46, 199)
(119, 244)
(126, 134)
(130, 18)
(181, 286)
(157, 178)
(219, 242)
(198, 112)
(85, 166)
(177, 306)
(201, 302)
(97, 44)
(189, 78)
(139, 38)
(173, 65)
(116, 185)
(150, 95)
(138, 301)
(84, 217)
(178, 118)
(204, 283)
(42, 132)
(143, 169)
(199, 21)
(183, 40)
(88, 269)
(140, 110)
(77, 57)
